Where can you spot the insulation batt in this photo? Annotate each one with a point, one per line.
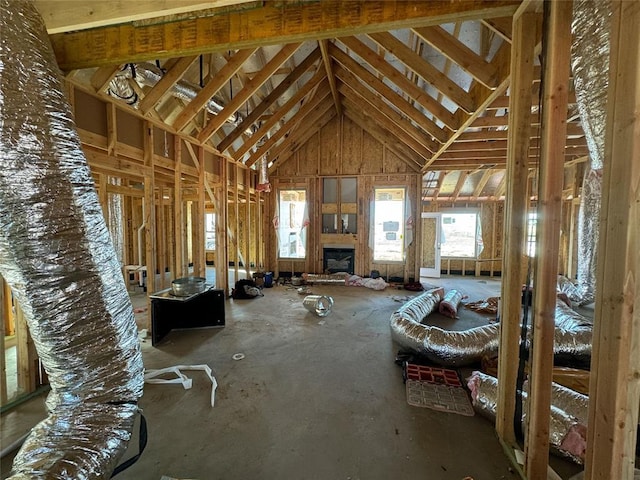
(449, 304)
(57, 256)
(569, 413)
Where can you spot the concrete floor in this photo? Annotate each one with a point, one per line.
(313, 398)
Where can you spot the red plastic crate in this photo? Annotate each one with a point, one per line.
(439, 376)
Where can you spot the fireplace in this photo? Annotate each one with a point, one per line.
(338, 259)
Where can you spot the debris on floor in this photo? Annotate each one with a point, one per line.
(373, 283)
(238, 356)
(436, 388)
(153, 377)
(321, 305)
(490, 305)
(330, 278)
(397, 298)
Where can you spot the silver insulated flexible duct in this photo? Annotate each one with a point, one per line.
(147, 74)
(56, 254)
(590, 65)
(568, 416)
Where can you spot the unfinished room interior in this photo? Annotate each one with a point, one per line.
(319, 239)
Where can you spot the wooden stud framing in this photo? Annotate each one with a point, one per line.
(523, 47)
(149, 213)
(4, 312)
(557, 59)
(179, 269)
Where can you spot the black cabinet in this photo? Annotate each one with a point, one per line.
(169, 312)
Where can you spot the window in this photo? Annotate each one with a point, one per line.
(339, 205)
(389, 223)
(461, 235)
(532, 220)
(209, 231)
(290, 221)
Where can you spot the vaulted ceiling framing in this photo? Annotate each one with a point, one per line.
(427, 79)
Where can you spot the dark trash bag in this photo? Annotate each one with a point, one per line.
(246, 289)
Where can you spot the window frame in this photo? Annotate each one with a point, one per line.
(460, 211)
(401, 225)
(287, 225)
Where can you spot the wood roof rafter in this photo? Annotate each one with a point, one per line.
(249, 89)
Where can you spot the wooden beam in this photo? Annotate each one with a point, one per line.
(149, 215)
(326, 60)
(398, 125)
(264, 129)
(272, 24)
(462, 177)
(525, 39)
(483, 96)
(395, 76)
(103, 76)
(70, 15)
(212, 87)
(459, 53)
(270, 99)
(502, 26)
(168, 80)
(389, 95)
(501, 154)
(179, 269)
(247, 92)
(556, 61)
(424, 69)
(614, 392)
(482, 182)
(5, 322)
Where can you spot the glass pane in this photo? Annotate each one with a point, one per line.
(389, 225)
(210, 231)
(459, 235)
(292, 222)
(330, 190)
(329, 223)
(349, 224)
(348, 190)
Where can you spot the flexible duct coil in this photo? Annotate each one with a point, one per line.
(147, 74)
(572, 336)
(445, 347)
(56, 254)
(569, 413)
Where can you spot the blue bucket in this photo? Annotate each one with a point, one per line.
(268, 279)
